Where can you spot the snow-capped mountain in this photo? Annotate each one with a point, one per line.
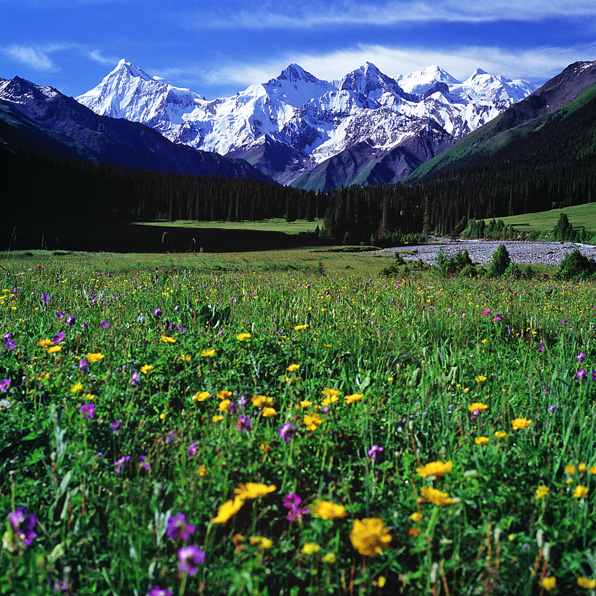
(296, 122)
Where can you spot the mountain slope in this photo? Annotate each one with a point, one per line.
(516, 123)
(295, 122)
(41, 118)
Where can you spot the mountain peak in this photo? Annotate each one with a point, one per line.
(478, 72)
(125, 66)
(294, 72)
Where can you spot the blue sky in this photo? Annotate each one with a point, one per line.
(220, 47)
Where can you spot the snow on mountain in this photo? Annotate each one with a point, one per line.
(315, 119)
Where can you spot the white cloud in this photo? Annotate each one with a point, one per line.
(537, 65)
(309, 14)
(35, 58)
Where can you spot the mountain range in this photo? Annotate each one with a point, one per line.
(42, 119)
(366, 128)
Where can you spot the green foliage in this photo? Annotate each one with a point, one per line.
(454, 264)
(500, 262)
(576, 266)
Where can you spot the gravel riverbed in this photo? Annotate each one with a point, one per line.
(481, 251)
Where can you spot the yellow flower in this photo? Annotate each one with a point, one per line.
(580, 492)
(267, 412)
(581, 468)
(260, 401)
(435, 468)
(146, 368)
(76, 388)
(327, 510)
(369, 536)
(202, 471)
(330, 393)
(500, 434)
(185, 358)
(253, 490)
(54, 349)
(310, 548)
(168, 340)
(305, 404)
(436, 496)
(416, 516)
(96, 357)
(261, 542)
(477, 406)
(208, 353)
(549, 583)
(350, 399)
(481, 440)
(88, 396)
(480, 379)
(45, 343)
(329, 400)
(217, 418)
(200, 396)
(227, 510)
(542, 491)
(243, 336)
(224, 394)
(585, 582)
(329, 558)
(312, 421)
(293, 367)
(570, 469)
(520, 423)
(300, 327)
(223, 405)
(592, 470)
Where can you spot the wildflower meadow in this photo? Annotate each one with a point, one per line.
(177, 431)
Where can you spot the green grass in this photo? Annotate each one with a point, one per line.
(545, 221)
(268, 225)
(160, 344)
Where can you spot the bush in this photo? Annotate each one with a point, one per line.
(513, 271)
(499, 263)
(468, 271)
(575, 265)
(454, 264)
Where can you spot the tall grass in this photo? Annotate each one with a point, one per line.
(377, 378)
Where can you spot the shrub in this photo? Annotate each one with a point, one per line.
(454, 264)
(575, 265)
(499, 263)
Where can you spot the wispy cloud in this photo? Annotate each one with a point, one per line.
(536, 65)
(34, 58)
(309, 14)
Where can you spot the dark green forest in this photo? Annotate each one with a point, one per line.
(551, 167)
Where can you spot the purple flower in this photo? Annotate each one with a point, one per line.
(564, 322)
(581, 357)
(593, 375)
(497, 318)
(171, 436)
(58, 337)
(136, 379)
(144, 463)
(23, 524)
(5, 384)
(552, 408)
(157, 313)
(541, 347)
(70, 321)
(157, 591)
(179, 528)
(292, 502)
(88, 410)
(8, 343)
(84, 325)
(45, 298)
(375, 453)
(122, 464)
(189, 559)
(104, 324)
(192, 450)
(83, 366)
(286, 432)
(116, 426)
(244, 423)
(582, 375)
(60, 315)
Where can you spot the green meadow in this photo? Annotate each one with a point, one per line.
(292, 423)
